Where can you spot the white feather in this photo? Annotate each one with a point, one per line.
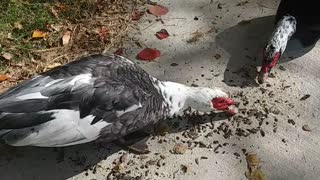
(66, 129)
(83, 78)
(129, 109)
(36, 95)
(53, 82)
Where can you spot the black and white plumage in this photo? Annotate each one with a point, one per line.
(96, 97)
(294, 19)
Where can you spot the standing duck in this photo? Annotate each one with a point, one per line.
(96, 97)
(294, 19)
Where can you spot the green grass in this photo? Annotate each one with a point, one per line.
(31, 16)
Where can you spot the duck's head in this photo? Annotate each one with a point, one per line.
(271, 56)
(212, 100)
(276, 45)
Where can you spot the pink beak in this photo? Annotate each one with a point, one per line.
(225, 104)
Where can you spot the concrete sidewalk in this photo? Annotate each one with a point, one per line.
(225, 55)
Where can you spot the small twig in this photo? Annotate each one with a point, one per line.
(45, 50)
(149, 26)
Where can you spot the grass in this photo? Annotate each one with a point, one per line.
(83, 18)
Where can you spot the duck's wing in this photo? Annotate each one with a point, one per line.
(76, 103)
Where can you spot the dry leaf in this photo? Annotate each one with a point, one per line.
(39, 34)
(103, 33)
(7, 56)
(119, 52)
(195, 37)
(158, 10)
(3, 77)
(118, 168)
(54, 12)
(136, 15)
(149, 54)
(162, 34)
(51, 66)
(254, 172)
(185, 168)
(66, 37)
(17, 25)
(179, 149)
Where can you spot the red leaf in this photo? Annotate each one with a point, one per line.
(136, 15)
(149, 54)
(162, 34)
(103, 33)
(158, 10)
(119, 52)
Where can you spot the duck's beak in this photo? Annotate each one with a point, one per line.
(225, 104)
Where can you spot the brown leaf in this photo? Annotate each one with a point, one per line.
(195, 37)
(7, 56)
(254, 172)
(53, 65)
(54, 12)
(119, 52)
(149, 54)
(103, 33)
(179, 149)
(66, 37)
(39, 34)
(158, 10)
(162, 34)
(17, 25)
(136, 15)
(185, 168)
(3, 77)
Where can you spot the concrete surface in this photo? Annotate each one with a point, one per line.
(290, 153)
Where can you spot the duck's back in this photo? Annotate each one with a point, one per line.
(95, 97)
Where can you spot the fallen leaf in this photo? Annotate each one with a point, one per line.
(195, 37)
(179, 149)
(54, 12)
(253, 164)
(136, 15)
(3, 77)
(158, 10)
(306, 128)
(149, 54)
(119, 52)
(66, 37)
(118, 168)
(17, 25)
(103, 33)
(39, 34)
(162, 34)
(185, 168)
(51, 66)
(7, 56)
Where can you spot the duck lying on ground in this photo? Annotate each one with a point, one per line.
(99, 97)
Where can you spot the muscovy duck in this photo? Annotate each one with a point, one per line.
(96, 97)
(294, 19)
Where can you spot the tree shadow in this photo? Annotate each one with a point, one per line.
(245, 41)
(62, 163)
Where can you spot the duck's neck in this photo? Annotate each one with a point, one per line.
(284, 29)
(180, 97)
